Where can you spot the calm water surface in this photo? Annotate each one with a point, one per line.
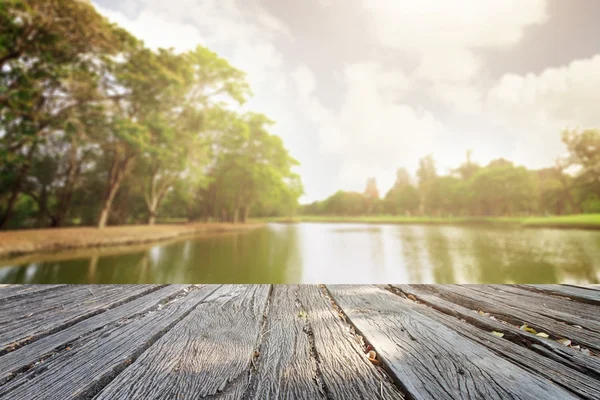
(333, 253)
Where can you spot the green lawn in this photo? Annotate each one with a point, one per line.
(589, 221)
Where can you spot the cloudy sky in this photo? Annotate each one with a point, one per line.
(361, 87)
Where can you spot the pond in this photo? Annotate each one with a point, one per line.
(332, 253)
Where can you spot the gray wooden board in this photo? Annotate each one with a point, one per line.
(516, 314)
(559, 352)
(10, 292)
(306, 353)
(209, 353)
(586, 313)
(345, 369)
(559, 309)
(431, 360)
(28, 318)
(26, 355)
(92, 361)
(557, 371)
(584, 295)
(285, 368)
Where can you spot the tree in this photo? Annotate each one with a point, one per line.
(179, 147)
(49, 57)
(403, 197)
(251, 167)
(371, 195)
(584, 153)
(468, 168)
(426, 175)
(501, 189)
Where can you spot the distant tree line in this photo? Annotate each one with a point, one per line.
(499, 188)
(97, 129)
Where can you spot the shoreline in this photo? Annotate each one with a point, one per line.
(581, 221)
(33, 241)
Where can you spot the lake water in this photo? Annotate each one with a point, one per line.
(333, 253)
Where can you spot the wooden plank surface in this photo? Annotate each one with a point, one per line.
(516, 314)
(581, 315)
(83, 368)
(44, 312)
(585, 295)
(255, 342)
(577, 382)
(9, 292)
(566, 356)
(19, 359)
(430, 359)
(208, 353)
(323, 362)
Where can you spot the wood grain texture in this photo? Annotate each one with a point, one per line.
(19, 359)
(44, 312)
(344, 367)
(559, 309)
(578, 383)
(566, 356)
(307, 353)
(207, 354)
(589, 295)
(11, 292)
(286, 367)
(431, 360)
(89, 363)
(518, 315)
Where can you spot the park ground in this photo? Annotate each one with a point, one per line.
(19, 242)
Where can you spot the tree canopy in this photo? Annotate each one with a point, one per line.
(97, 128)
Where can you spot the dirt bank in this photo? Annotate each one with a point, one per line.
(20, 242)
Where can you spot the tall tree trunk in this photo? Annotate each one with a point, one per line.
(43, 208)
(118, 171)
(236, 214)
(64, 202)
(246, 213)
(16, 189)
(152, 217)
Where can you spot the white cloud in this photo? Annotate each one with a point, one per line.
(155, 30)
(463, 99)
(537, 107)
(372, 133)
(444, 35)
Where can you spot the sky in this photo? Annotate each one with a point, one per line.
(359, 88)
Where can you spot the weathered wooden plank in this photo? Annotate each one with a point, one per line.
(89, 363)
(10, 292)
(286, 367)
(345, 369)
(307, 354)
(21, 358)
(517, 315)
(209, 353)
(26, 319)
(431, 360)
(584, 380)
(590, 286)
(579, 314)
(583, 295)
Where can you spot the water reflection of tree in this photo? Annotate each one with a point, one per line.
(502, 257)
(438, 248)
(92, 266)
(412, 252)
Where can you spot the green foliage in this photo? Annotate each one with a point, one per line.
(96, 127)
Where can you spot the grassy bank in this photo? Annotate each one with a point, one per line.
(581, 221)
(14, 243)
